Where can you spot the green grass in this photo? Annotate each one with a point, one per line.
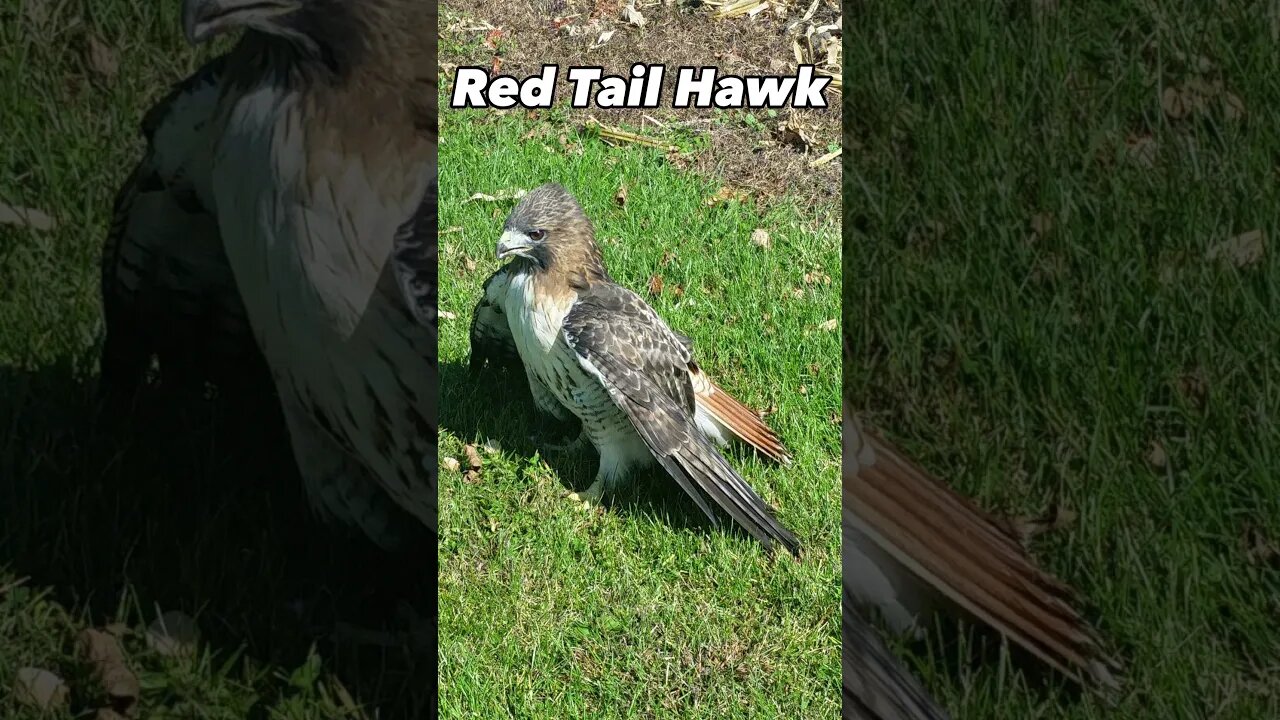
(1034, 368)
(642, 609)
(114, 515)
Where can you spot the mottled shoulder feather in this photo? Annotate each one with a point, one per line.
(608, 318)
(414, 255)
(208, 76)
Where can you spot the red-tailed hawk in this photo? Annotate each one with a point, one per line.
(168, 295)
(323, 163)
(595, 351)
(911, 543)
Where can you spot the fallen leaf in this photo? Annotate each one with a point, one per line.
(499, 196)
(452, 464)
(495, 67)
(468, 263)
(1242, 250)
(724, 195)
(794, 134)
(40, 688)
(604, 37)
(102, 59)
(1258, 548)
(620, 197)
(109, 667)
(1041, 224)
(677, 290)
(492, 38)
(830, 326)
(760, 238)
(667, 256)
(1232, 106)
(474, 463)
(1156, 456)
(655, 285)
(1028, 527)
(1175, 103)
(25, 217)
(1193, 387)
(1141, 150)
(446, 315)
(632, 15)
(172, 634)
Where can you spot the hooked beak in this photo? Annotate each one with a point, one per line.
(514, 243)
(202, 19)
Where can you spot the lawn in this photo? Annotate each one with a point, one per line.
(642, 608)
(110, 517)
(1056, 295)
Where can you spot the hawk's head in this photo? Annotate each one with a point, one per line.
(203, 19)
(547, 230)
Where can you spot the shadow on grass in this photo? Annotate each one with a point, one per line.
(495, 404)
(195, 505)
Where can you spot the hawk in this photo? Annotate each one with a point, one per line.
(910, 542)
(322, 169)
(718, 414)
(168, 295)
(595, 351)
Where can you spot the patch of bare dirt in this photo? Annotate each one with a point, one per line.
(769, 154)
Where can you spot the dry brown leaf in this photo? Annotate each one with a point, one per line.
(1174, 103)
(40, 688)
(1193, 387)
(25, 217)
(173, 634)
(102, 58)
(667, 257)
(1258, 548)
(1041, 224)
(1156, 456)
(830, 325)
(110, 668)
(1242, 250)
(794, 134)
(620, 197)
(1232, 106)
(655, 285)
(499, 196)
(1141, 150)
(632, 15)
(451, 464)
(760, 238)
(726, 194)
(1028, 527)
(468, 263)
(474, 463)
(677, 290)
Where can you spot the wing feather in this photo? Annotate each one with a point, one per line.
(876, 686)
(644, 367)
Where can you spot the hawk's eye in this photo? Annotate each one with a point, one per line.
(537, 235)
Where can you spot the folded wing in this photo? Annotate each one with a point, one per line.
(643, 365)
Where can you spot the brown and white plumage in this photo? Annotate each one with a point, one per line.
(322, 171)
(596, 351)
(167, 290)
(876, 686)
(719, 415)
(912, 543)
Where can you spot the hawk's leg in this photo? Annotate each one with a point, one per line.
(591, 496)
(612, 471)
